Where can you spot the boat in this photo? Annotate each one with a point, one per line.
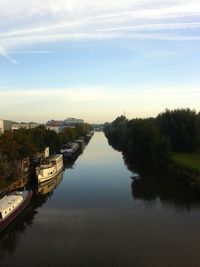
(88, 136)
(49, 168)
(80, 142)
(70, 150)
(12, 205)
(48, 186)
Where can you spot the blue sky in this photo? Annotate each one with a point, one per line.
(98, 59)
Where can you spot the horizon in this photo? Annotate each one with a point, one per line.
(97, 60)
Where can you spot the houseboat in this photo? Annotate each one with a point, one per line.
(49, 168)
(12, 205)
(80, 142)
(50, 185)
(70, 150)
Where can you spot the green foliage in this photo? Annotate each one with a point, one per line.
(26, 142)
(182, 126)
(23, 143)
(69, 134)
(9, 146)
(82, 129)
(4, 166)
(115, 132)
(150, 141)
(140, 140)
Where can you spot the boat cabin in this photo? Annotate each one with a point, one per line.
(8, 204)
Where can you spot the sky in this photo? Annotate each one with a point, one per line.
(97, 60)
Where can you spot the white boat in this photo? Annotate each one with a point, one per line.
(12, 205)
(49, 168)
(50, 185)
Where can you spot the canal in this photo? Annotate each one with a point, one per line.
(96, 215)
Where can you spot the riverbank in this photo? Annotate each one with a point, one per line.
(187, 167)
(7, 186)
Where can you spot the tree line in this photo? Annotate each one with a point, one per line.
(151, 141)
(22, 143)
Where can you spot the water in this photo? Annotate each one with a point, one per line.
(98, 216)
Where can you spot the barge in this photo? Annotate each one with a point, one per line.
(70, 150)
(12, 205)
(49, 168)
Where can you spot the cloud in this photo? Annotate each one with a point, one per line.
(96, 104)
(36, 21)
(31, 52)
(155, 27)
(3, 53)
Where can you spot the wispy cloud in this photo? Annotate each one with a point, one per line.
(52, 21)
(155, 27)
(3, 53)
(31, 52)
(94, 103)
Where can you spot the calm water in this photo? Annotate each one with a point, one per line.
(97, 216)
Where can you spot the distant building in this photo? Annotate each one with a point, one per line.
(73, 121)
(98, 127)
(30, 125)
(58, 125)
(5, 125)
(55, 123)
(57, 129)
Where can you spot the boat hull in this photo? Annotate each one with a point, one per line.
(49, 168)
(47, 178)
(4, 223)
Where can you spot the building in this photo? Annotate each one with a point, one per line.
(57, 129)
(73, 121)
(5, 125)
(55, 123)
(28, 125)
(98, 127)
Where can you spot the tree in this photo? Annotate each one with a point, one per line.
(182, 127)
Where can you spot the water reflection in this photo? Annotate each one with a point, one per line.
(46, 187)
(10, 237)
(169, 190)
(92, 219)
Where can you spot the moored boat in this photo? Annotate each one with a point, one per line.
(81, 142)
(49, 168)
(70, 150)
(48, 186)
(12, 205)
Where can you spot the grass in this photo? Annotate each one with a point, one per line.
(189, 161)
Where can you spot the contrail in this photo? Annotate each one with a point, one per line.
(3, 53)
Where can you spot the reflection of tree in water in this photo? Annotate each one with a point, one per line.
(69, 164)
(10, 237)
(168, 189)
